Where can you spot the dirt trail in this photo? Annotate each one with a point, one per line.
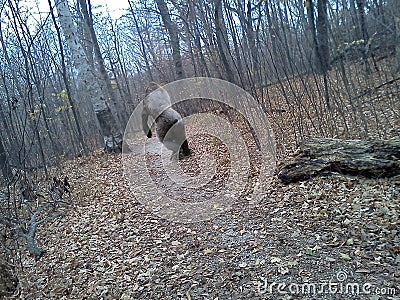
(109, 246)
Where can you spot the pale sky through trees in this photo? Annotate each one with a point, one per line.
(115, 7)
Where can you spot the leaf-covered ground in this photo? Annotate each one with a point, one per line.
(335, 235)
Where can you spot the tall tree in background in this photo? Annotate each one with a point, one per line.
(252, 43)
(142, 43)
(67, 82)
(311, 23)
(361, 19)
(319, 33)
(173, 38)
(322, 37)
(246, 20)
(222, 41)
(394, 6)
(105, 79)
(108, 125)
(364, 31)
(4, 164)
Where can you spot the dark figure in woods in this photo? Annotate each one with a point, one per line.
(169, 124)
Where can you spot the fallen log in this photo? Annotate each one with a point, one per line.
(321, 156)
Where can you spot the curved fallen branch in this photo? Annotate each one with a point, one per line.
(29, 234)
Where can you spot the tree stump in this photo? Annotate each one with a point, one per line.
(374, 159)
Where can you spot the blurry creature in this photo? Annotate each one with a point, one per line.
(169, 125)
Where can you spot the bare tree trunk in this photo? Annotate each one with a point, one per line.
(322, 36)
(394, 6)
(311, 24)
(397, 34)
(142, 43)
(173, 37)
(247, 23)
(105, 82)
(71, 101)
(319, 32)
(364, 32)
(197, 41)
(354, 18)
(109, 127)
(272, 31)
(323, 45)
(240, 69)
(361, 18)
(123, 85)
(4, 164)
(222, 41)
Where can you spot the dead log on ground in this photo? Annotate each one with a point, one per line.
(374, 159)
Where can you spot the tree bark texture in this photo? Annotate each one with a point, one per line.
(322, 36)
(320, 156)
(105, 82)
(4, 163)
(173, 36)
(222, 41)
(108, 125)
(394, 6)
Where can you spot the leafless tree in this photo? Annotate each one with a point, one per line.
(110, 128)
(173, 37)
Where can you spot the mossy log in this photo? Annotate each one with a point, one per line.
(374, 159)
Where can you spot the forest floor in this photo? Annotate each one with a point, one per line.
(331, 237)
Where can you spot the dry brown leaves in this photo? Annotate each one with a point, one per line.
(340, 231)
(108, 246)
